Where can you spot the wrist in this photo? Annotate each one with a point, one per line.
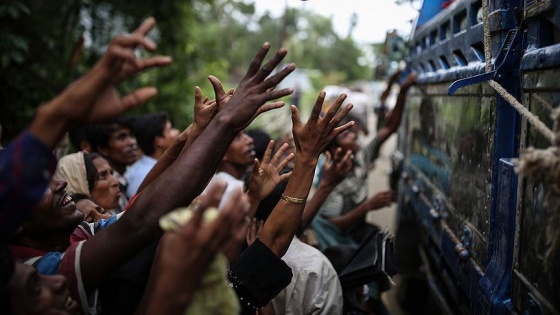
(306, 160)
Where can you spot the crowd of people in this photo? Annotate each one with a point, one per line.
(147, 219)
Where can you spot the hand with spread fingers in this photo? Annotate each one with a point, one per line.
(94, 97)
(312, 138)
(254, 90)
(267, 173)
(336, 168)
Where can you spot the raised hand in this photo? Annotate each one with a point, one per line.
(380, 200)
(204, 110)
(336, 168)
(313, 137)
(266, 174)
(94, 97)
(99, 96)
(254, 90)
(184, 255)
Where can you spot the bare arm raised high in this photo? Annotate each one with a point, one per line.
(310, 139)
(185, 179)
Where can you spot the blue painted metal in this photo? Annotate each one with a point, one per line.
(496, 282)
(505, 64)
(430, 8)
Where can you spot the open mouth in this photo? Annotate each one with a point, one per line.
(65, 200)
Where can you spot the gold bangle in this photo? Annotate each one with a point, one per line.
(297, 201)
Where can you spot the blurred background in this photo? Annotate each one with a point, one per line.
(337, 47)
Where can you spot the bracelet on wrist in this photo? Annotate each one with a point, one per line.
(294, 200)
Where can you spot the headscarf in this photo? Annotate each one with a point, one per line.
(72, 169)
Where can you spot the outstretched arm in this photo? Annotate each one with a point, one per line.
(390, 82)
(380, 200)
(394, 119)
(310, 139)
(335, 170)
(204, 111)
(91, 98)
(94, 97)
(184, 255)
(185, 179)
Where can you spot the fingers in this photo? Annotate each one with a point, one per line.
(410, 80)
(268, 152)
(339, 116)
(133, 40)
(267, 69)
(269, 106)
(274, 94)
(285, 162)
(256, 62)
(134, 99)
(328, 159)
(278, 153)
(156, 61)
(256, 166)
(347, 162)
(146, 26)
(295, 116)
(333, 110)
(197, 97)
(219, 92)
(316, 111)
(338, 154)
(274, 80)
(285, 176)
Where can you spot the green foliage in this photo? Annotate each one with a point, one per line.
(45, 45)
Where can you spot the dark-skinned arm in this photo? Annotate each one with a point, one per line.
(91, 98)
(349, 219)
(394, 120)
(204, 111)
(184, 255)
(335, 170)
(310, 140)
(186, 178)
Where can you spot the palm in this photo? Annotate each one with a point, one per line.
(267, 175)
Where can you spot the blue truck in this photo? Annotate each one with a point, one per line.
(477, 232)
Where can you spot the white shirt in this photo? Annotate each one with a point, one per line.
(232, 184)
(315, 288)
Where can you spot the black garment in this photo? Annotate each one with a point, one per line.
(258, 276)
(122, 291)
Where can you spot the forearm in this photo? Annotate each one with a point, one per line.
(170, 155)
(284, 220)
(254, 204)
(314, 204)
(189, 174)
(47, 126)
(349, 219)
(51, 121)
(177, 186)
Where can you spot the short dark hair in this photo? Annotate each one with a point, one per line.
(146, 128)
(76, 135)
(260, 141)
(98, 135)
